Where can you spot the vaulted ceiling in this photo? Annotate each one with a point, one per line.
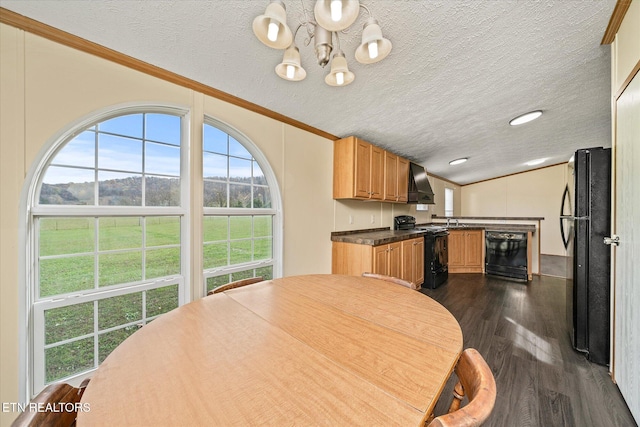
(458, 72)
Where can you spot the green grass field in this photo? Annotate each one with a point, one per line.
(71, 251)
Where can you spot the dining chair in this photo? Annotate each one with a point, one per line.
(391, 279)
(476, 381)
(63, 399)
(236, 284)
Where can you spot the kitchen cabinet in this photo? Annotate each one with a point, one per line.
(358, 169)
(363, 171)
(403, 259)
(413, 261)
(466, 251)
(387, 259)
(396, 178)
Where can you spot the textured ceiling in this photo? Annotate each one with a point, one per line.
(458, 71)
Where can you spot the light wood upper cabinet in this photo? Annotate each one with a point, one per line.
(376, 180)
(466, 251)
(403, 179)
(358, 169)
(391, 177)
(363, 171)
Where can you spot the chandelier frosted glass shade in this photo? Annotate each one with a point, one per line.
(290, 68)
(340, 74)
(275, 15)
(349, 13)
(372, 35)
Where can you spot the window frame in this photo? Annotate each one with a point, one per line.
(275, 210)
(32, 306)
(448, 199)
(190, 213)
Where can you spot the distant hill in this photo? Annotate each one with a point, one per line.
(159, 192)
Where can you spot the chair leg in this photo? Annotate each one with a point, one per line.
(458, 395)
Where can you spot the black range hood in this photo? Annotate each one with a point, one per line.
(420, 191)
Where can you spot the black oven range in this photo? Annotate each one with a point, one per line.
(436, 254)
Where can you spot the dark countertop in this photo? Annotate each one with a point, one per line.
(492, 227)
(383, 236)
(375, 237)
(492, 218)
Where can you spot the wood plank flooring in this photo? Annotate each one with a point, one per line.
(521, 331)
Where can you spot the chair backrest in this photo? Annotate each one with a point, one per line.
(391, 279)
(236, 284)
(476, 381)
(63, 401)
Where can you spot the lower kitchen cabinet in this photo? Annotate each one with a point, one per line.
(413, 261)
(387, 259)
(403, 259)
(466, 251)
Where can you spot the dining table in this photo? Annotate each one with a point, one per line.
(317, 349)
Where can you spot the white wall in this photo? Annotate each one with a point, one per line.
(46, 87)
(536, 193)
(358, 214)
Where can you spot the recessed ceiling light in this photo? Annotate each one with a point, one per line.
(458, 161)
(525, 118)
(536, 162)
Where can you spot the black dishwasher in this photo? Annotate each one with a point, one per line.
(506, 254)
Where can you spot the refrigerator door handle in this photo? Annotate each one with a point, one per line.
(565, 196)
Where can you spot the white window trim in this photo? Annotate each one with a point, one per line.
(26, 228)
(275, 210)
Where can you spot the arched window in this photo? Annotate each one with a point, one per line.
(108, 234)
(107, 237)
(241, 220)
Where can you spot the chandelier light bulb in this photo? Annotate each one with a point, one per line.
(290, 67)
(336, 10)
(291, 71)
(340, 74)
(373, 49)
(271, 28)
(274, 28)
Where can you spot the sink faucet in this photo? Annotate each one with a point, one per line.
(457, 222)
(448, 221)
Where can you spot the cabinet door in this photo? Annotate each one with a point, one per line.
(408, 260)
(376, 187)
(362, 184)
(413, 261)
(380, 259)
(395, 260)
(403, 179)
(418, 251)
(473, 248)
(456, 248)
(390, 177)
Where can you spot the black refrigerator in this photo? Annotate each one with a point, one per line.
(585, 220)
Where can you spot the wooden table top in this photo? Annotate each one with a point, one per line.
(301, 350)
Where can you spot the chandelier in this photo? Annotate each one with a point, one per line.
(329, 18)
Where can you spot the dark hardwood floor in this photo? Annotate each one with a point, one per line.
(521, 331)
